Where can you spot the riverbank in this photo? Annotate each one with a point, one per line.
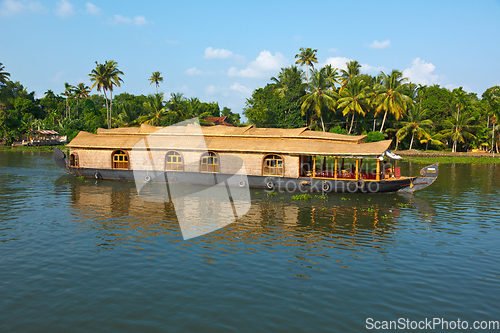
(447, 157)
(40, 149)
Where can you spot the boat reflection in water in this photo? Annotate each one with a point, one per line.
(354, 222)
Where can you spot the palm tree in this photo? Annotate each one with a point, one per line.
(99, 76)
(355, 97)
(416, 123)
(332, 75)
(81, 91)
(68, 92)
(390, 97)
(434, 139)
(306, 57)
(115, 80)
(460, 101)
(286, 79)
(460, 128)
(320, 99)
(156, 78)
(3, 75)
(105, 77)
(353, 70)
(155, 109)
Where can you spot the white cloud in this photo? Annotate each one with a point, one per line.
(380, 45)
(13, 7)
(261, 67)
(337, 62)
(92, 9)
(64, 8)
(172, 42)
(118, 19)
(212, 90)
(242, 89)
(341, 63)
(211, 53)
(421, 72)
(371, 69)
(297, 38)
(58, 78)
(196, 72)
(333, 50)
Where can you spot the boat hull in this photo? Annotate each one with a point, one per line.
(268, 183)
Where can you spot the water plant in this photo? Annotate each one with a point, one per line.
(303, 197)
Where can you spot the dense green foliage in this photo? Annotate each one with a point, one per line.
(385, 106)
(76, 110)
(356, 103)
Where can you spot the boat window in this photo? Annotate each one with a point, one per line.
(209, 162)
(120, 160)
(173, 161)
(73, 160)
(273, 165)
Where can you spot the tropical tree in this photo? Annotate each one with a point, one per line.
(416, 124)
(286, 79)
(306, 57)
(155, 110)
(332, 76)
(319, 99)
(353, 70)
(390, 97)
(460, 101)
(81, 91)
(156, 78)
(355, 97)
(68, 92)
(3, 75)
(105, 77)
(460, 128)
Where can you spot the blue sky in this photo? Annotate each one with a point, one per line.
(223, 50)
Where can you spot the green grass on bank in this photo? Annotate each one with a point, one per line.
(453, 159)
(40, 149)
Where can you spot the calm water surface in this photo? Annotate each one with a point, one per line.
(80, 256)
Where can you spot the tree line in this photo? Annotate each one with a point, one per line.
(383, 106)
(76, 109)
(324, 99)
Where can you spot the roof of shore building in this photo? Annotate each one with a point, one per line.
(231, 139)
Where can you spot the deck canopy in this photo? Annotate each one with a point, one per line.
(298, 141)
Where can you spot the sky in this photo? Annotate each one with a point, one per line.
(221, 51)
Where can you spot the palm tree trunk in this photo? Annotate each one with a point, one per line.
(412, 136)
(110, 107)
(322, 123)
(107, 108)
(352, 121)
(383, 121)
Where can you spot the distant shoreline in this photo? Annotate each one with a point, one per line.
(448, 157)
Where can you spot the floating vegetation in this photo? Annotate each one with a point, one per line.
(386, 216)
(81, 177)
(369, 209)
(271, 194)
(344, 199)
(257, 192)
(303, 197)
(403, 205)
(320, 197)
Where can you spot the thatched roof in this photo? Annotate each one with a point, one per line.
(231, 139)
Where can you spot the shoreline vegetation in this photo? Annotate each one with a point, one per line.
(344, 101)
(444, 157)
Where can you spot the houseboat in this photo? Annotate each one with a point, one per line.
(269, 158)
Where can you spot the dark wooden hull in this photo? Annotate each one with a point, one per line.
(268, 183)
(279, 184)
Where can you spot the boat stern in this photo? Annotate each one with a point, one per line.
(429, 175)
